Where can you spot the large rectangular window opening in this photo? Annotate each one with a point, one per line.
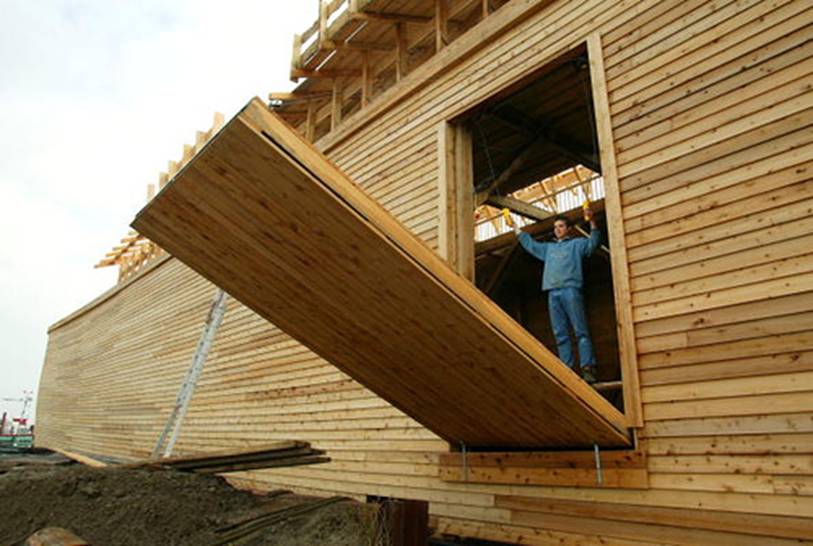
(533, 149)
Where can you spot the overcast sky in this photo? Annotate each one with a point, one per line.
(95, 97)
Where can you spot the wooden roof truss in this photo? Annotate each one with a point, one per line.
(135, 251)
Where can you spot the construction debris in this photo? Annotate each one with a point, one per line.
(55, 536)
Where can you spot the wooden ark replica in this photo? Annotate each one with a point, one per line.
(409, 337)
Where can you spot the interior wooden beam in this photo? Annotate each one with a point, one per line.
(554, 136)
(529, 211)
(503, 240)
(520, 207)
(522, 157)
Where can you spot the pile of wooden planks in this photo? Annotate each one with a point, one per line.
(279, 454)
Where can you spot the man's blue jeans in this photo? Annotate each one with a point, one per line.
(566, 308)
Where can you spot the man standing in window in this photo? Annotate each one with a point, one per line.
(563, 281)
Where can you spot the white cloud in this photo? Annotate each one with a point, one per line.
(95, 97)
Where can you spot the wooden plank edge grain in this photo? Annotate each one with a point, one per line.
(616, 231)
(753, 524)
(80, 458)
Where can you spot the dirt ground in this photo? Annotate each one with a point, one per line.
(135, 507)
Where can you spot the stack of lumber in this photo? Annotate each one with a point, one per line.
(280, 454)
(264, 215)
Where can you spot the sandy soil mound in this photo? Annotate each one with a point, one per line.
(126, 507)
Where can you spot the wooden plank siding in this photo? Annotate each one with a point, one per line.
(711, 110)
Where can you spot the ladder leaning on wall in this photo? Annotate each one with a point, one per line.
(173, 425)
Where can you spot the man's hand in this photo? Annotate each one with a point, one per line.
(588, 217)
(510, 221)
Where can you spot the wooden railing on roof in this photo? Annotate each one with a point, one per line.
(354, 51)
(135, 251)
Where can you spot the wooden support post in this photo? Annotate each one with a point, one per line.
(456, 194)
(310, 122)
(336, 105)
(366, 80)
(407, 521)
(322, 23)
(401, 51)
(150, 191)
(615, 229)
(447, 190)
(296, 55)
(486, 9)
(464, 178)
(441, 24)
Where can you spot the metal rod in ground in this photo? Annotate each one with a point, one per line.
(254, 525)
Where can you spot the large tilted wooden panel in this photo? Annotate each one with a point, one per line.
(264, 215)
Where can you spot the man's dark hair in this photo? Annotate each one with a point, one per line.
(564, 219)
